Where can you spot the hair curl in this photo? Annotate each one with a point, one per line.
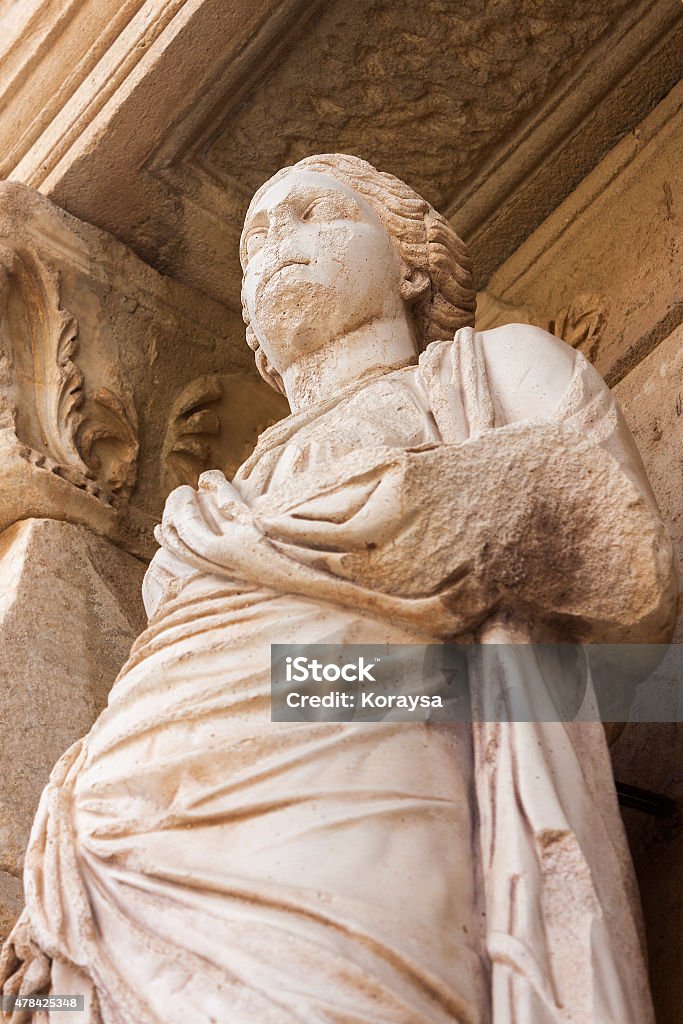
(425, 240)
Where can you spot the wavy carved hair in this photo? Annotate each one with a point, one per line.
(425, 240)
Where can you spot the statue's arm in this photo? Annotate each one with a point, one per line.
(532, 375)
(536, 378)
(549, 513)
(212, 531)
(528, 371)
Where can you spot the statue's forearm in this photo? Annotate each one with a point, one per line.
(534, 517)
(250, 557)
(561, 529)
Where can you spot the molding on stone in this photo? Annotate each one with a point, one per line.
(569, 135)
(117, 35)
(625, 159)
(642, 28)
(616, 84)
(50, 53)
(646, 344)
(509, 196)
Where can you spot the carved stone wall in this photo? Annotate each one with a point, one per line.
(96, 350)
(172, 113)
(605, 267)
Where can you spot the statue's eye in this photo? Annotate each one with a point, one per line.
(254, 241)
(327, 208)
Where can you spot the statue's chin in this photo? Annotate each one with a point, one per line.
(292, 284)
(300, 307)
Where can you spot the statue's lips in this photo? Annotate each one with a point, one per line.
(283, 266)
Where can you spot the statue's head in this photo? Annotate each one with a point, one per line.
(330, 244)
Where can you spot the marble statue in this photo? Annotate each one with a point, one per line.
(192, 861)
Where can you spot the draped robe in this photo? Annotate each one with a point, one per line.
(192, 861)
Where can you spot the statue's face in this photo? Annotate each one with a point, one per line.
(319, 264)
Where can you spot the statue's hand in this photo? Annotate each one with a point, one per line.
(209, 527)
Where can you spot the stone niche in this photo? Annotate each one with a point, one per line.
(155, 121)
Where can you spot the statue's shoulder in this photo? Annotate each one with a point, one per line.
(528, 370)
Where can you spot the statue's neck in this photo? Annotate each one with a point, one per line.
(382, 344)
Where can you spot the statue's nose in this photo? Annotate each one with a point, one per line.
(283, 223)
(287, 239)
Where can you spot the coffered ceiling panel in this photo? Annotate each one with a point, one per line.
(494, 109)
(425, 90)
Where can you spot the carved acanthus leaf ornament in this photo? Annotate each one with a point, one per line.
(192, 423)
(108, 440)
(43, 398)
(214, 423)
